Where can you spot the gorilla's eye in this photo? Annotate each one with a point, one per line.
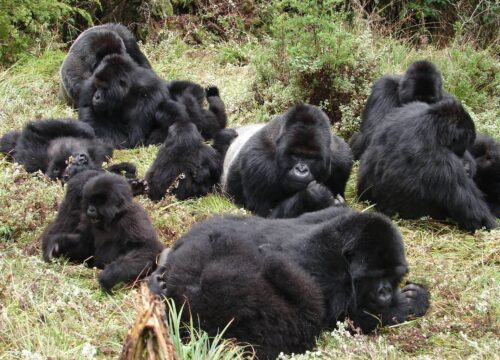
(122, 83)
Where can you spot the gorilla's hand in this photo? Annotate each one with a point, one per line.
(417, 298)
(318, 196)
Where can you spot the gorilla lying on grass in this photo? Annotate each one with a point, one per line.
(89, 49)
(414, 166)
(100, 224)
(422, 82)
(289, 166)
(50, 145)
(283, 281)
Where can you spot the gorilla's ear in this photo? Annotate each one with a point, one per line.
(454, 126)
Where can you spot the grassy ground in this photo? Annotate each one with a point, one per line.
(57, 310)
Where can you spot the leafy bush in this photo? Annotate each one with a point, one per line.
(28, 24)
(313, 53)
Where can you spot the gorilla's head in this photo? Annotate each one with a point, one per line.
(112, 82)
(421, 82)
(65, 151)
(454, 126)
(374, 252)
(105, 197)
(303, 147)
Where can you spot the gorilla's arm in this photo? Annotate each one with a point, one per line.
(129, 267)
(314, 197)
(73, 246)
(49, 129)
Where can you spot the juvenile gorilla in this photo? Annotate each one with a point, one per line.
(289, 166)
(486, 152)
(422, 82)
(89, 49)
(223, 268)
(185, 158)
(50, 145)
(114, 233)
(414, 166)
(208, 121)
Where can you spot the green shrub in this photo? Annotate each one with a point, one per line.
(313, 53)
(31, 24)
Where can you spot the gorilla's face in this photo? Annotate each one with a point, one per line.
(302, 157)
(111, 82)
(66, 153)
(105, 197)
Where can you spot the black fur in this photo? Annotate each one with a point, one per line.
(221, 268)
(127, 105)
(186, 158)
(414, 166)
(113, 233)
(209, 122)
(50, 145)
(486, 152)
(290, 166)
(422, 81)
(89, 49)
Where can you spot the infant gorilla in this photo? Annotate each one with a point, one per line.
(284, 280)
(99, 223)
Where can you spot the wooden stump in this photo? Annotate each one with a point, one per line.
(148, 338)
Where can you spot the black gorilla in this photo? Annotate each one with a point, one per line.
(414, 166)
(223, 268)
(209, 122)
(129, 106)
(289, 166)
(89, 49)
(113, 233)
(50, 145)
(184, 158)
(422, 81)
(486, 152)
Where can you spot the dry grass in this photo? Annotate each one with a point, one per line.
(57, 310)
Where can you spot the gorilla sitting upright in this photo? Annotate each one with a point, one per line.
(89, 49)
(289, 166)
(282, 281)
(422, 82)
(414, 166)
(51, 145)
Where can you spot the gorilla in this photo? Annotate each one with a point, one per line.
(130, 106)
(422, 82)
(414, 166)
(112, 232)
(486, 153)
(185, 158)
(209, 122)
(324, 267)
(50, 145)
(89, 49)
(289, 166)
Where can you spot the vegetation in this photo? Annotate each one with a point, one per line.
(281, 52)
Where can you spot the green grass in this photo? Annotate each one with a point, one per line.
(57, 310)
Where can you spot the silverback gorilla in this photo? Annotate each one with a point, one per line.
(89, 49)
(50, 145)
(289, 166)
(414, 166)
(98, 222)
(282, 281)
(422, 82)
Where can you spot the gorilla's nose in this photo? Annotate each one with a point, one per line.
(301, 170)
(384, 293)
(91, 211)
(81, 159)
